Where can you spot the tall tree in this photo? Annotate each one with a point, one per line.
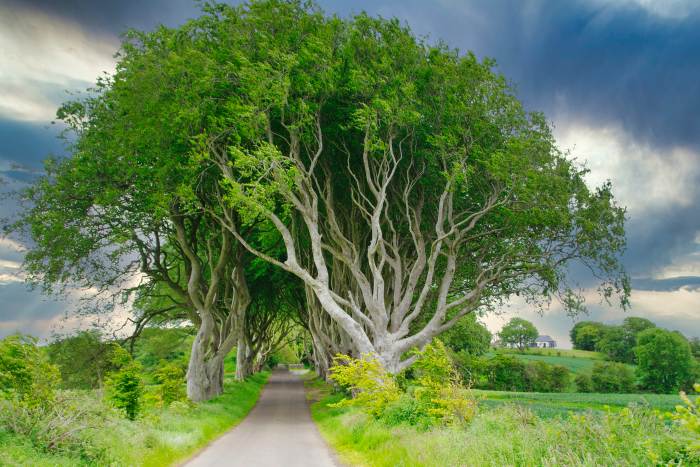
(585, 335)
(519, 332)
(664, 360)
(468, 335)
(411, 170)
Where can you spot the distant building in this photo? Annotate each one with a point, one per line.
(544, 342)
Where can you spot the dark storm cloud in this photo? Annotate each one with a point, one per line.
(115, 17)
(603, 62)
(667, 285)
(19, 305)
(23, 145)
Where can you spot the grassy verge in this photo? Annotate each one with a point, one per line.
(161, 437)
(507, 435)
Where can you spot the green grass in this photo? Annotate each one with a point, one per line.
(548, 405)
(578, 361)
(160, 437)
(506, 435)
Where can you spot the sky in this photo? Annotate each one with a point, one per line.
(618, 80)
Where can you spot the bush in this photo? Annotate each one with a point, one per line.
(371, 387)
(125, 386)
(505, 373)
(688, 417)
(439, 391)
(612, 377)
(26, 376)
(543, 377)
(83, 359)
(170, 378)
(584, 383)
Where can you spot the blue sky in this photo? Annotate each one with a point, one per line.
(618, 79)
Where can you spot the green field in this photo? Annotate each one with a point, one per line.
(548, 405)
(578, 361)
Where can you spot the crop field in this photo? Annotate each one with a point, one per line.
(549, 405)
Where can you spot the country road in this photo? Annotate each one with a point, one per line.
(278, 432)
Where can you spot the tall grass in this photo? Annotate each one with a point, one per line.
(508, 435)
(160, 437)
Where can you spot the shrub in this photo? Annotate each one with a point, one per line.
(439, 391)
(688, 416)
(612, 377)
(125, 386)
(542, 377)
(83, 359)
(505, 373)
(405, 409)
(26, 376)
(370, 385)
(170, 378)
(584, 383)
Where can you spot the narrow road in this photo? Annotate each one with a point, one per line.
(277, 432)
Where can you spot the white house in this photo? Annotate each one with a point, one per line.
(544, 342)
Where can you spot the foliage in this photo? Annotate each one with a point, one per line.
(93, 433)
(468, 335)
(83, 359)
(618, 342)
(695, 347)
(505, 371)
(585, 335)
(664, 360)
(156, 345)
(26, 376)
(612, 377)
(371, 387)
(518, 332)
(125, 386)
(584, 382)
(508, 435)
(171, 380)
(438, 388)
(688, 416)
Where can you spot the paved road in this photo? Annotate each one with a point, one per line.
(277, 432)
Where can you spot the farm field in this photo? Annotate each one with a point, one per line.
(578, 361)
(548, 405)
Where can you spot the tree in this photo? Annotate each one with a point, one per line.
(613, 344)
(664, 360)
(405, 183)
(695, 347)
(125, 385)
(585, 335)
(612, 377)
(83, 359)
(618, 341)
(468, 335)
(519, 332)
(414, 179)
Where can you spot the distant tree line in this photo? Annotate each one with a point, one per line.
(666, 360)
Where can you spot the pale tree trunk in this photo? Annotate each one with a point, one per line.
(243, 368)
(205, 372)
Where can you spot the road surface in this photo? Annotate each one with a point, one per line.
(278, 432)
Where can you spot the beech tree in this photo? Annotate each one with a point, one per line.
(412, 176)
(405, 182)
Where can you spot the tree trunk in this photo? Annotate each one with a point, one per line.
(205, 372)
(242, 367)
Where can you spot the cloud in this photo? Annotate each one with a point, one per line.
(42, 53)
(671, 309)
